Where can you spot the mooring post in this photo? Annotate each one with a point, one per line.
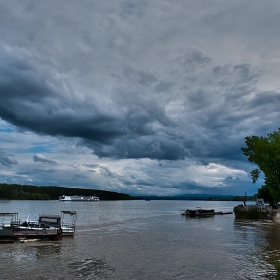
(245, 199)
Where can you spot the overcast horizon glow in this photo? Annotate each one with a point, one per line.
(139, 97)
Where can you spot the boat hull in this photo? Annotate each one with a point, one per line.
(13, 235)
(50, 234)
(67, 231)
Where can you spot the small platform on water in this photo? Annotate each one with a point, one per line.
(198, 212)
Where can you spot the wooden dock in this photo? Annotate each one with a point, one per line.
(198, 212)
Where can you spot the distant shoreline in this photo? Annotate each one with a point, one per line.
(201, 198)
(29, 192)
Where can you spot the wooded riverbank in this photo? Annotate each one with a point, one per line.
(28, 192)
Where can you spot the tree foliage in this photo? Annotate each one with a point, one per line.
(265, 152)
(28, 192)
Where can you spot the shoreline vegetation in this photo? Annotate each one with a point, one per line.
(29, 192)
(253, 212)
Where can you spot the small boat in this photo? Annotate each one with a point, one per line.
(17, 231)
(68, 227)
(47, 227)
(62, 222)
(47, 221)
(32, 225)
(78, 198)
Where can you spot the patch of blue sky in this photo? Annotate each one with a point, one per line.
(39, 150)
(7, 129)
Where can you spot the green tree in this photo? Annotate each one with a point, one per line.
(265, 152)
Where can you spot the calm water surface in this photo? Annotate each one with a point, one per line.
(144, 240)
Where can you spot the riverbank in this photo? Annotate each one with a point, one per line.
(257, 212)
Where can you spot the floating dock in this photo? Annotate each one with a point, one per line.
(198, 212)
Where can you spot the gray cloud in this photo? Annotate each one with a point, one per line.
(191, 59)
(43, 159)
(141, 80)
(138, 126)
(7, 160)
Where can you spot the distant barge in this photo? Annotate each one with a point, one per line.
(78, 198)
(198, 212)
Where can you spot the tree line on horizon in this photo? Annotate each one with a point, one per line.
(29, 192)
(235, 198)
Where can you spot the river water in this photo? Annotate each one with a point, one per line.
(144, 240)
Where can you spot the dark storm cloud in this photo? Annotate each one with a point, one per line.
(138, 126)
(265, 100)
(29, 101)
(143, 80)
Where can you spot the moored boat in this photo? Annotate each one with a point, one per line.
(19, 231)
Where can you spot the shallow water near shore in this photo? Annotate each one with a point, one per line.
(144, 240)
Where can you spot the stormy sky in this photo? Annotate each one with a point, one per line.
(134, 96)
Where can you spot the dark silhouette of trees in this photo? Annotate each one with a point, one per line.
(28, 192)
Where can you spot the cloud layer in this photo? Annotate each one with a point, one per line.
(141, 90)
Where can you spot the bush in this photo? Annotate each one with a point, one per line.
(244, 212)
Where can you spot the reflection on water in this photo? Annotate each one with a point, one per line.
(91, 269)
(144, 240)
(257, 238)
